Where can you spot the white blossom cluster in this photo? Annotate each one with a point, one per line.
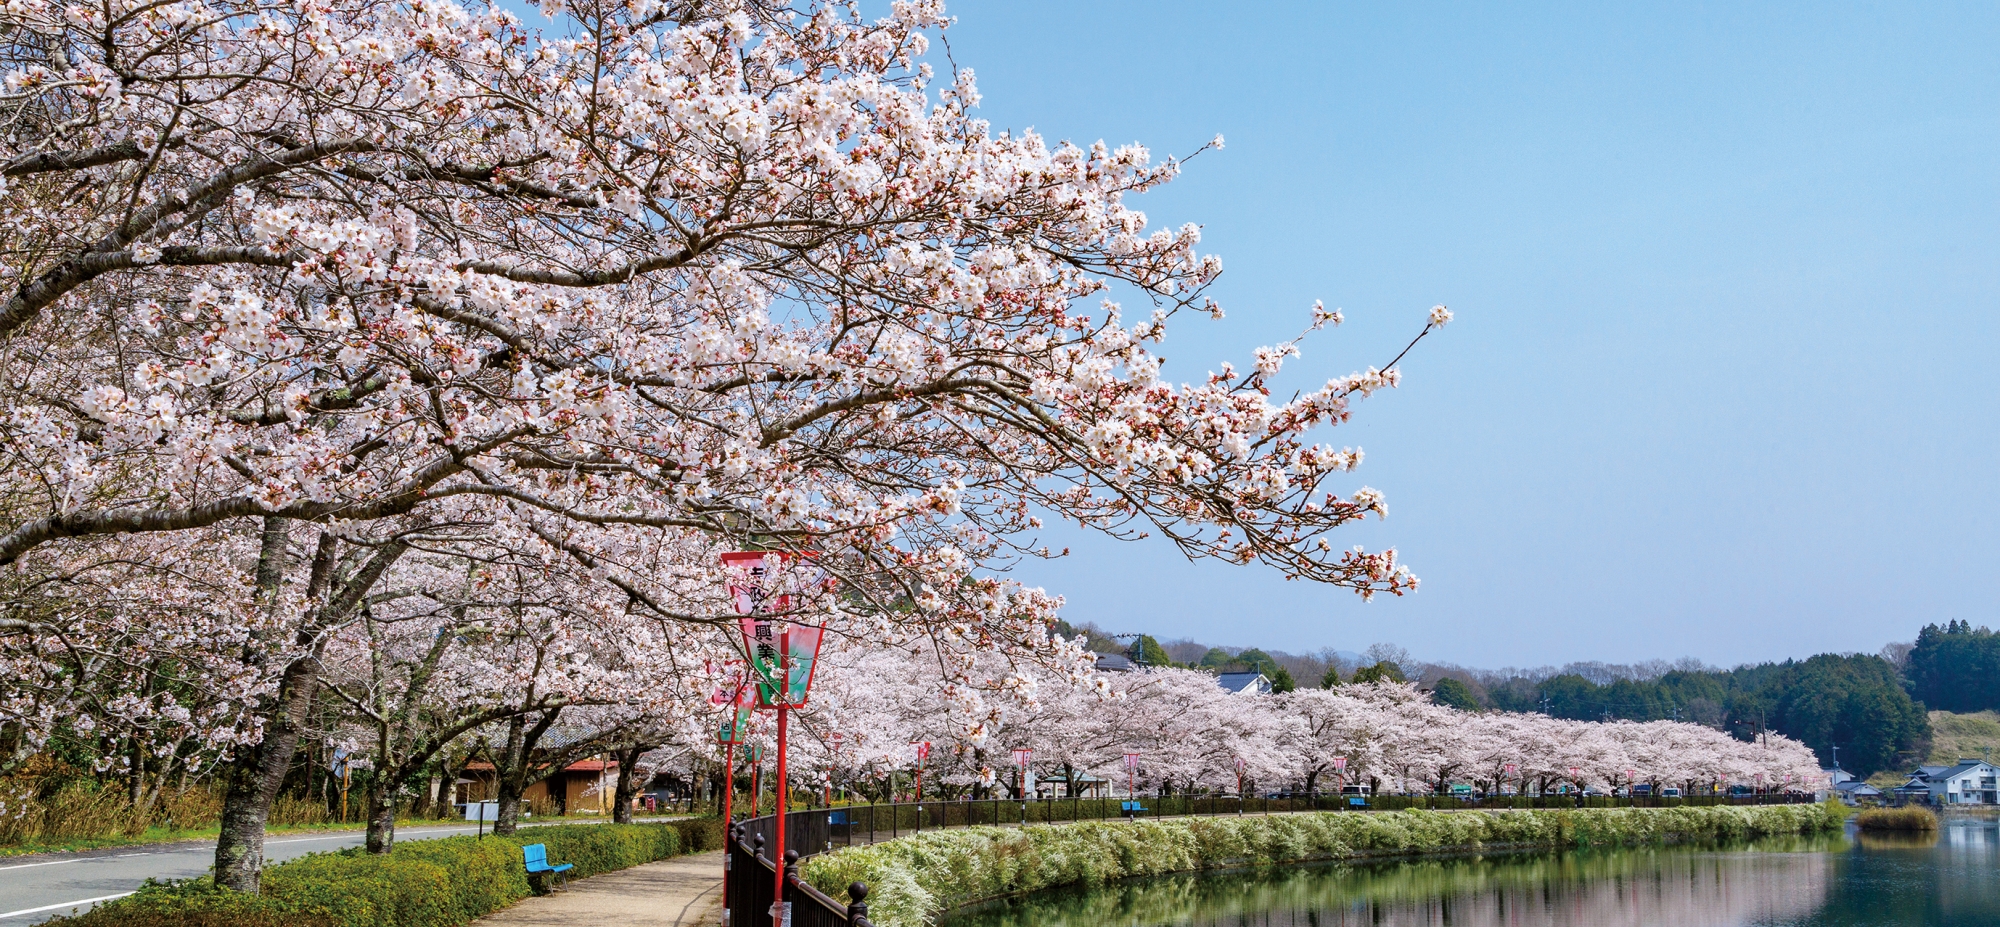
(1192, 735)
(404, 356)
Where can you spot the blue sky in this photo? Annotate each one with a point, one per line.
(1722, 380)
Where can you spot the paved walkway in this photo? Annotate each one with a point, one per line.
(685, 891)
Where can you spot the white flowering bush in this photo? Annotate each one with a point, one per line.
(915, 877)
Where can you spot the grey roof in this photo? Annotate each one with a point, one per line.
(1858, 786)
(1113, 663)
(1963, 767)
(1240, 682)
(1928, 771)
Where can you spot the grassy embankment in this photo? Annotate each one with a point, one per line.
(1953, 737)
(914, 878)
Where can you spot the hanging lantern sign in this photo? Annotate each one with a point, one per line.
(1510, 768)
(783, 654)
(920, 751)
(1240, 765)
(736, 724)
(1132, 762)
(1340, 762)
(1573, 771)
(1022, 756)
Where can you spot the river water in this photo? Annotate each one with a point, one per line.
(1949, 879)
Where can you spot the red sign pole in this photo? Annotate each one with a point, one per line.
(778, 918)
(728, 781)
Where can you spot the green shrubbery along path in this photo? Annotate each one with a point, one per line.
(421, 883)
(913, 878)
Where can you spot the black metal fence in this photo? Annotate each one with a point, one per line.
(750, 879)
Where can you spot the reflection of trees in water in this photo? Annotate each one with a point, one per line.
(1943, 879)
(1580, 889)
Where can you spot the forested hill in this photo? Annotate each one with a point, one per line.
(1854, 701)
(1955, 668)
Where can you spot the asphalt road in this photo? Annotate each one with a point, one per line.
(36, 888)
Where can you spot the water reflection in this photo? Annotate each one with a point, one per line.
(1947, 879)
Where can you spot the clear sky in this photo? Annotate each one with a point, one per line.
(1722, 381)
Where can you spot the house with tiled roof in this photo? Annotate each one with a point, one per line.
(1244, 683)
(1970, 782)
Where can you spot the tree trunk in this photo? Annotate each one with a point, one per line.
(447, 789)
(381, 814)
(420, 806)
(138, 780)
(508, 776)
(251, 782)
(628, 783)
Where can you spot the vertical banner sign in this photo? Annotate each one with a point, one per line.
(750, 593)
(802, 654)
(781, 661)
(1131, 776)
(783, 654)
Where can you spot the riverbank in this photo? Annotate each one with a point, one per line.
(914, 878)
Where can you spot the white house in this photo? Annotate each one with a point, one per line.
(1971, 782)
(1244, 683)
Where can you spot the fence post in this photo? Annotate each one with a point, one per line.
(857, 906)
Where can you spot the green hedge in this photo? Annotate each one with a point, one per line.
(915, 877)
(421, 883)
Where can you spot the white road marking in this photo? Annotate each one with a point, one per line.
(66, 904)
(53, 862)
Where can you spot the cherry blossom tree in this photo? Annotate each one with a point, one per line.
(319, 280)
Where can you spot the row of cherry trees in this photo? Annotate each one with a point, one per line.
(393, 373)
(1193, 736)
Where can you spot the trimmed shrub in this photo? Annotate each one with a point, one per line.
(913, 878)
(422, 883)
(1908, 817)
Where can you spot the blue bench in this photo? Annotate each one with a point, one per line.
(536, 857)
(1131, 808)
(1357, 802)
(837, 818)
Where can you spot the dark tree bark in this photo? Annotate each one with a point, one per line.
(251, 782)
(628, 782)
(381, 814)
(254, 775)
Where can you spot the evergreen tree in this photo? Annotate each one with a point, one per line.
(1955, 668)
(1452, 693)
(1384, 671)
(1148, 651)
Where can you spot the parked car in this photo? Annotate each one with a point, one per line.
(1670, 792)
